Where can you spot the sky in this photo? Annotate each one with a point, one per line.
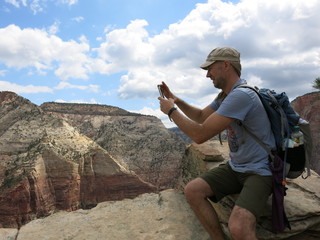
(115, 52)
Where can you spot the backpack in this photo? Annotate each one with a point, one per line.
(284, 120)
(284, 161)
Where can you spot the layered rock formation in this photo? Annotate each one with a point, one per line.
(140, 142)
(308, 107)
(46, 164)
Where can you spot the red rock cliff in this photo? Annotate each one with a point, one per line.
(308, 107)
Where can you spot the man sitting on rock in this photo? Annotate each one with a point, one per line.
(247, 172)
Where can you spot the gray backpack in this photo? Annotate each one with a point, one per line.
(283, 120)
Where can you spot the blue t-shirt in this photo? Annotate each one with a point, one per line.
(246, 154)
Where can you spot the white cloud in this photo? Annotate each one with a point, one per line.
(150, 111)
(3, 73)
(78, 19)
(126, 48)
(68, 2)
(254, 80)
(16, 3)
(19, 89)
(31, 89)
(54, 28)
(157, 113)
(278, 42)
(66, 85)
(92, 101)
(35, 48)
(37, 5)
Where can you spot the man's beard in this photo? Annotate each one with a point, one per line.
(219, 83)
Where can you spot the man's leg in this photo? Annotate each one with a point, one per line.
(242, 224)
(250, 204)
(197, 191)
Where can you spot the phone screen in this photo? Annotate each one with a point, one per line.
(160, 91)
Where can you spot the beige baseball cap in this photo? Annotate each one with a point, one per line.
(224, 54)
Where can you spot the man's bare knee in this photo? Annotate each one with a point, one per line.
(191, 190)
(197, 189)
(242, 224)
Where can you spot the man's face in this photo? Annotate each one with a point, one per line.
(216, 74)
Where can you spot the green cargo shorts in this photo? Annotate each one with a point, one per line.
(254, 190)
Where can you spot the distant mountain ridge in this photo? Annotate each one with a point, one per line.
(139, 142)
(86, 109)
(179, 133)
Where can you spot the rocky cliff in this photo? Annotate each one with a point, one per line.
(308, 107)
(139, 142)
(47, 165)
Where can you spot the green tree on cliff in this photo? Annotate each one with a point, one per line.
(316, 83)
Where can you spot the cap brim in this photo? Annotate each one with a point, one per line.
(206, 65)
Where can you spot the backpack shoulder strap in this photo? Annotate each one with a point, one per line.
(256, 89)
(265, 146)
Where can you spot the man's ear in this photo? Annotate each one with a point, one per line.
(227, 65)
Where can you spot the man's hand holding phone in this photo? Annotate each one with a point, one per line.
(166, 99)
(164, 91)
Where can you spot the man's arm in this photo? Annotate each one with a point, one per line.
(196, 114)
(200, 133)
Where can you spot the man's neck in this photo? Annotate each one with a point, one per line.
(230, 84)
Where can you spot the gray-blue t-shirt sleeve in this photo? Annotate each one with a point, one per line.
(236, 105)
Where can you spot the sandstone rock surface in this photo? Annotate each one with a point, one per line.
(199, 158)
(164, 216)
(167, 216)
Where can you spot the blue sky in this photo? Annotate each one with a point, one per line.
(115, 52)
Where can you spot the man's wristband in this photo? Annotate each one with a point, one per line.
(170, 112)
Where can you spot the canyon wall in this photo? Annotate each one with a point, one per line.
(139, 142)
(47, 165)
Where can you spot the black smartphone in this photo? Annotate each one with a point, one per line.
(160, 91)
